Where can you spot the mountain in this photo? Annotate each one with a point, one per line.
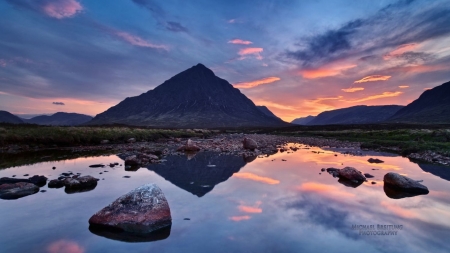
(194, 98)
(6, 117)
(433, 106)
(360, 114)
(266, 111)
(303, 121)
(60, 119)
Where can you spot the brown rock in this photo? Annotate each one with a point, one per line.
(249, 144)
(190, 146)
(352, 174)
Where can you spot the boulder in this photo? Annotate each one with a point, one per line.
(250, 144)
(189, 146)
(80, 183)
(131, 160)
(38, 180)
(17, 190)
(352, 174)
(402, 183)
(8, 180)
(55, 183)
(142, 210)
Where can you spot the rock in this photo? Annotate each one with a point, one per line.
(80, 184)
(350, 173)
(372, 160)
(249, 144)
(131, 140)
(373, 182)
(367, 175)
(104, 142)
(350, 183)
(55, 183)
(8, 180)
(38, 180)
(323, 169)
(17, 190)
(131, 161)
(142, 210)
(189, 146)
(96, 166)
(402, 183)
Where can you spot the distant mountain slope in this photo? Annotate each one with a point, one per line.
(266, 111)
(194, 98)
(433, 106)
(7, 117)
(303, 120)
(60, 119)
(360, 114)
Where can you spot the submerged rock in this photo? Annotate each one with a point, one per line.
(375, 160)
(405, 184)
(249, 144)
(124, 236)
(352, 174)
(367, 175)
(143, 210)
(96, 166)
(17, 190)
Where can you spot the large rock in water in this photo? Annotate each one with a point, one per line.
(351, 174)
(194, 98)
(143, 210)
(17, 190)
(399, 182)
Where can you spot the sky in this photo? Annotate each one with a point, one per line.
(298, 58)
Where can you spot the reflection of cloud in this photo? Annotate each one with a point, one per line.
(254, 177)
(353, 89)
(323, 188)
(251, 209)
(241, 42)
(240, 218)
(372, 78)
(255, 83)
(386, 94)
(65, 246)
(397, 210)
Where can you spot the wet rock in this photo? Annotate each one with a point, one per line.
(323, 169)
(7, 180)
(351, 174)
(405, 184)
(55, 183)
(81, 183)
(132, 161)
(367, 175)
(17, 190)
(375, 160)
(96, 166)
(38, 180)
(143, 210)
(189, 146)
(373, 182)
(126, 176)
(249, 144)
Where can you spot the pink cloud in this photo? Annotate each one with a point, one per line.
(403, 86)
(256, 51)
(353, 89)
(241, 42)
(251, 209)
(401, 50)
(255, 83)
(325, 71)
(2, 63)
(240, 218)
(372, 78)
(138, 41)
(62, 8)
(65, 246)
(386, 94)
(254, 177)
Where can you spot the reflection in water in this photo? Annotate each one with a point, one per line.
(65, 246)
(437, 170)
(80, 190)
(398, 194)
(254, 177)
(194, 175)
(350, 183)
(120, 235)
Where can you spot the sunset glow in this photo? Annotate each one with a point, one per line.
(254, 177)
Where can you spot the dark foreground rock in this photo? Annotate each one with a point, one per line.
(37, 180)
(395, 193)
(17, 190)
(405, 184)
(143, 210)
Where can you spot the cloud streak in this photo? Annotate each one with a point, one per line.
(240, 42)
(58, 103)
(256, 83)
(386, 94)
(254, 177)
(138, 41)
(372, 78)
(350, 90)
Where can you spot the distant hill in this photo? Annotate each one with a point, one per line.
(60, 119)
(266, 111)
(303, 120)
(360, 114)
(433, 106)
(7, 117)
(194, 98)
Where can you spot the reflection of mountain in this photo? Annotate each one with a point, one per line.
(437, 170)
(194, 175)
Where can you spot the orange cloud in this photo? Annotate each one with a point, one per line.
(256, 51)
(401, 50)
(403, 86)
(255, 83)
(353, 89)
(241, 42)
(138, 41)
(373, 78)
(386, 94)
(251, 209)
(427, 88)
(62, 9)
(254, 177)
(65, 246)
(324, 72)
(240, 218)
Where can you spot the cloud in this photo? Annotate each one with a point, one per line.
(138, 41)
(256, 51)
(255, 83)
(401, 50)
(372, 78)
(65, 246)
(2, 63)
(240, 218)
(58, 103)
(175, 27)
(403, 86)
(353, 89)
(324, 71)
(58, 9)
(386, 94)
(241, 42)
(254, 177)
(231, 21)
(251, 209)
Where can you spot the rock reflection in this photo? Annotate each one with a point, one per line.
(120, 235)
(79, 190)
(437, 170)
(394, 193)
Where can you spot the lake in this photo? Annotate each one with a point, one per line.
(279, 203)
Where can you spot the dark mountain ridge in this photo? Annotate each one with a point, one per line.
(60, 119)
(7, 117)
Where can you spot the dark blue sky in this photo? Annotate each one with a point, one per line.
(296, 57)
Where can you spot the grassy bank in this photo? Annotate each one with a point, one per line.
(46, 136)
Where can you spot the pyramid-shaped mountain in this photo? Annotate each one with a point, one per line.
(194, 98)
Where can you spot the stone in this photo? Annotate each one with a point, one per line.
(55, 183)
(372, 160)
(367, 175)
(405, 184)
(96, 166)
(249, 144)
(352, 174)
(84, 182)
(142, 210)
(131, 161)
(17, 190)
(38, 180)
(189, 146)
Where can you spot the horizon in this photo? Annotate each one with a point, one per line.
(84, 57)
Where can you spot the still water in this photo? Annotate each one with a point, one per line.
(264, 205)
